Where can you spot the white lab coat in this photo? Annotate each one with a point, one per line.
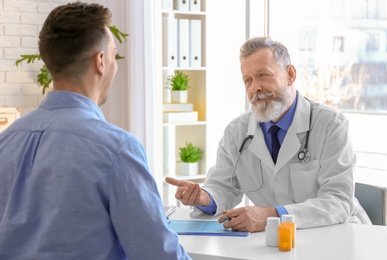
(318, 193)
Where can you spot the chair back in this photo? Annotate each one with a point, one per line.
(373, 199)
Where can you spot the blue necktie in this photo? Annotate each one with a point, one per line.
(275, 145)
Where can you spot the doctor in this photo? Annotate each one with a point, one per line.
(311, 176)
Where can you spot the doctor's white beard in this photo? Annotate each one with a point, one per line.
(276, 107)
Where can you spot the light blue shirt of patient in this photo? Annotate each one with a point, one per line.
(73, 186)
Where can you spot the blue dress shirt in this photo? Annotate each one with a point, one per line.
(284, 124)
(74, 186)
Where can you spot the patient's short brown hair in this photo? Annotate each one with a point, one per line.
(71, 35)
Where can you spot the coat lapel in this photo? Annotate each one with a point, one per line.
(291, 144)
(258, 145)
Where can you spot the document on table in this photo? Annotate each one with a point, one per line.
(203, 228)
(169, 210)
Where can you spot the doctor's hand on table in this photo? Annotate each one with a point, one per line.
(244, 219)
(247, 219)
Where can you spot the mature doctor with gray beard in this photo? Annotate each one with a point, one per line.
(288, 154)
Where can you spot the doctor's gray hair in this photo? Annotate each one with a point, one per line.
(281, 54)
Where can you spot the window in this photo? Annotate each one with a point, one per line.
(353, 76)
(372, 42)
(339, 50)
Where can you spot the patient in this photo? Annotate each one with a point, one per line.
(72, 185)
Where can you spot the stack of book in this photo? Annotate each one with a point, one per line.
(179, 112)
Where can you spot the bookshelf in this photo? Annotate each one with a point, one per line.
(216, 91)
(183, 45)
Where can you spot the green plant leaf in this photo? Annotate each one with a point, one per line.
(29, 57)
(178, 81)
(118, 57)
(44, 78)
(190, 153)
(117, 33)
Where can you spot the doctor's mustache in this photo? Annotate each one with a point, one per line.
(260, 96)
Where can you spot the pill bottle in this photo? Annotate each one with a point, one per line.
(271, 231)
(284, 237)
(288, 219)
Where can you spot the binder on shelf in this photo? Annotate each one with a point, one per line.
(180, 117)
(183, 42)
(176, 107)
(169, 42)
(181, 5)
(195, 38)
(194, 5)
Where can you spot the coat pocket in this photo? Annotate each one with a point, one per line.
(303, 178)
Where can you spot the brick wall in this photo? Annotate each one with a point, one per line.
(20, 23)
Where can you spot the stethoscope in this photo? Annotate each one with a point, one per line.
(303, 156)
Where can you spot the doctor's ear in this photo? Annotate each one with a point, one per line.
(292, 73)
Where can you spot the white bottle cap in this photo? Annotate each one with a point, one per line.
(273, 221)
(288, 218)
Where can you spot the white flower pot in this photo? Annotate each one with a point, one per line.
(167, 96)
(189, 168)
(179, 96)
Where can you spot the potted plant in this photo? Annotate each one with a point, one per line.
(179, 84)
(190, 156)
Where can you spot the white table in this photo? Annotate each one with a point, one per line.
(341, 242)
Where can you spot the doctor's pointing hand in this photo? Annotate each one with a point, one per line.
(287, 154)
(250, 219)
(189, 193)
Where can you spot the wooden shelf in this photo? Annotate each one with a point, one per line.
(184, 13)
(184, 68)
(185, 123)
